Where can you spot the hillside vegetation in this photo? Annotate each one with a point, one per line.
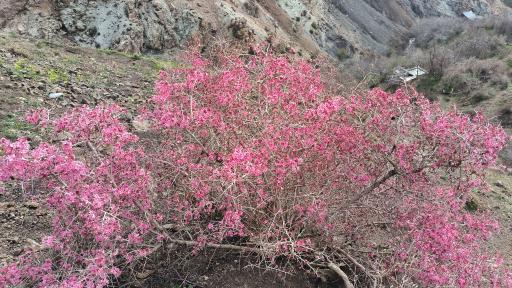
(469, 64)
(173, 169)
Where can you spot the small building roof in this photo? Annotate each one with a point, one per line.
(471, 15)
(416, 71)
(409, 74)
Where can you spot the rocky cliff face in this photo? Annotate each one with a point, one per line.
(339, 27)
(128, 25)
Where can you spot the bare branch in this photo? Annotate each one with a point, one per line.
(340, 273)
(218, 246)
(370, 188)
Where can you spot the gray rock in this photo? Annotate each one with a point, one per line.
(128, 25)
(17, 252)
(54, 95)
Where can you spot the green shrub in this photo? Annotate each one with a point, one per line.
(57, 75)
(343, 54)
(471, 205)
(428, 83)
(22, 69)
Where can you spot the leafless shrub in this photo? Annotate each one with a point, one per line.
(373, 71)
(431, 31)
(455, 83)
(475, 77)
(439, 59)
(479, 44)
(486, 70)
(240, 30)
(501, 25)
(252, 8)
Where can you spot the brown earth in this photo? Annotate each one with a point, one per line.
(9, 9)
(29, 71)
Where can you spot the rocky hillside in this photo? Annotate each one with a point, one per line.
(339, 27)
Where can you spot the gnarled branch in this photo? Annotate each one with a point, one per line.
(340, 273)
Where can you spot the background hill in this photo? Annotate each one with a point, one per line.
(338, 27)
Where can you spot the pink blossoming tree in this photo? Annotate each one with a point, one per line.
(254, 153)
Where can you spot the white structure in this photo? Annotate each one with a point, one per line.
(471, 15)
(407, 75)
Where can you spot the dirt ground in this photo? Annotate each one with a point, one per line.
(228, 270)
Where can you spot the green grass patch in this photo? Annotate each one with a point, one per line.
(428, 83)
(57, 75)
(135, 57)
(41, 44)
(12, 128)
(162, 64)
(110, 51)
(509, 63)
(71, 60)
(23, 69)
(132, 56)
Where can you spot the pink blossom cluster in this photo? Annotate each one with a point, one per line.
(99, 200)
(260, 138)
(255, 150)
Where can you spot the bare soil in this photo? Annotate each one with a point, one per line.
(214, 269)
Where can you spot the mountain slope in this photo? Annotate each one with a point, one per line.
(333, 26)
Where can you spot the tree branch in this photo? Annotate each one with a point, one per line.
(370, 188)
(340, 273)
(219, 246)
(354, 261)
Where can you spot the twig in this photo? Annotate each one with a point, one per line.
(260, 251)
(89, 144)
(195, 243)
(361, 267)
